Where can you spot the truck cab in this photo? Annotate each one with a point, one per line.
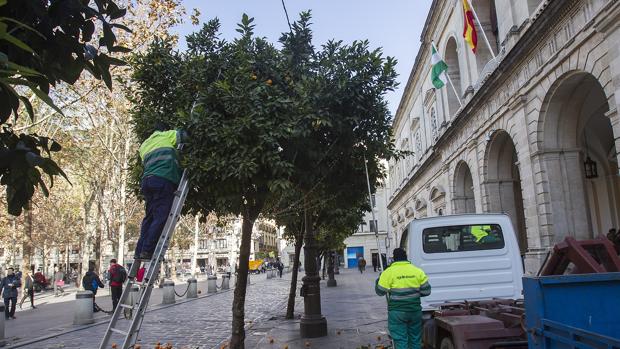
(466, 257)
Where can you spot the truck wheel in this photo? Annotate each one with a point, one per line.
(446, 343)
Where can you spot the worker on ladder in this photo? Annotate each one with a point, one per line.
(161, 176)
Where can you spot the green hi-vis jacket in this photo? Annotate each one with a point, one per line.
(404, 283)
(159, 156)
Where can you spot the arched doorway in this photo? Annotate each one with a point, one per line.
(404, 239)
(577, 133)
(488, 21)
(454, 72)
(503, 184)
(464, 201)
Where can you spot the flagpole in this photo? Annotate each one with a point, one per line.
(484, 35)
(449, 80)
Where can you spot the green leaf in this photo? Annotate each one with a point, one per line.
(120, 26)
(118, 13)
(23, 70)
(45, 98)
(120, 49)
(28, 106)
(2, 2)
(15, 41)
(22, 25)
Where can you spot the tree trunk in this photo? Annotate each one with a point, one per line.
(123, 193)
(238, 308)
(290, 308)
(196, 235)
(27, 243)
(322, 258)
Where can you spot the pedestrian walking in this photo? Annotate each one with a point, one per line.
(160, 178)
(280, 267)
(118, 275)
(375, 262)
(9, 286)
(59, 282)
(28, 290)
(92, 282)
(403, 283)
(361, 264)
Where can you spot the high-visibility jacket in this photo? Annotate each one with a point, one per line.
(480, 231)
(404, 284)
(159, 156)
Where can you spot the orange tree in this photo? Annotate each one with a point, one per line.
(268, 124)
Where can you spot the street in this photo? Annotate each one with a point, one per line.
(355, 316)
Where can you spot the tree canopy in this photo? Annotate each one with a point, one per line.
(268, 121)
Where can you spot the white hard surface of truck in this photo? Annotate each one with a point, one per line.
(466, 257)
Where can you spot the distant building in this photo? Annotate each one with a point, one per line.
(364, 242)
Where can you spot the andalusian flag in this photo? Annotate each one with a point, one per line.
(438, 71)
(469, 32)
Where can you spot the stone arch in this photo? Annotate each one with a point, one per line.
(463, 197)
(451, 56)
(573, 129)
(503, 183)
(488, 22)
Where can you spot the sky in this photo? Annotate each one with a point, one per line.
(394, 25)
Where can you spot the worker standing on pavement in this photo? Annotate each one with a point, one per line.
(161, 176)
(404, 284)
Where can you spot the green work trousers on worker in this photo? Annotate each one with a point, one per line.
(405, 329)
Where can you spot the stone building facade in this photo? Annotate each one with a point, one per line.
(531, 120)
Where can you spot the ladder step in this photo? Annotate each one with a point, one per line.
(116, 330)
(126, 306)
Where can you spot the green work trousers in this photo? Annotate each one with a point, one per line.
(405, 329)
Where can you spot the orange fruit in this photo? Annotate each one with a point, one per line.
(269, 82)
(253, 77)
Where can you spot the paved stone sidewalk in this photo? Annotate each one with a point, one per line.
(356, 318)
(200, 323)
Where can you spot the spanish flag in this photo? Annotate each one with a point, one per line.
(469, 32)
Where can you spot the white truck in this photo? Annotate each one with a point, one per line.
(462, 266)
(474, 267)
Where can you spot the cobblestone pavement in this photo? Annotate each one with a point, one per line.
(356, 318)
(200, 323)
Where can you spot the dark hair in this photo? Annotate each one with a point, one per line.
(161, 126)
(113, 260)
(400, 254)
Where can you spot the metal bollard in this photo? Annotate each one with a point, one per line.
(225, 282)
(2, 341)
(192, 288)
(83, 308)
(212, 284)
(269, 274)
(168, 292)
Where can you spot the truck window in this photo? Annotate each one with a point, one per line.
(458, 238)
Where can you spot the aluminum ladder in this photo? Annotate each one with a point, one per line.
(138, 306)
